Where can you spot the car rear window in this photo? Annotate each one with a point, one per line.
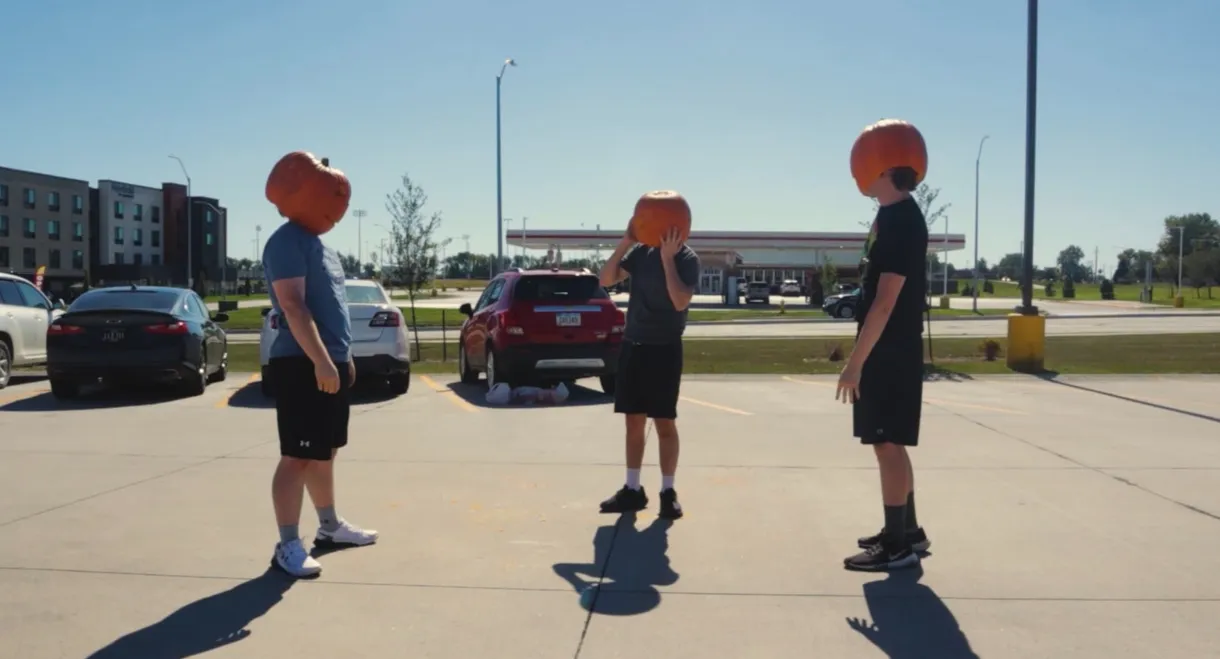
(126, 300)
(559, 288)
(365, 295)
(759, 284)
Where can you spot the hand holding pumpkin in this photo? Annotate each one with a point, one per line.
(670, 244)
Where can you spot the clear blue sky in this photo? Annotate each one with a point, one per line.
(749, 108)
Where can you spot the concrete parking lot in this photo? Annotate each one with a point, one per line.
(1075, 518)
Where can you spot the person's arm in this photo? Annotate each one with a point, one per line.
(899, 258)
(888, 288)
(681, 275)
(287, 268)
(618, 266)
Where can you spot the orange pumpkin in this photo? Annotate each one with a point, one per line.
(656, 213)
(887, 144)
(308, 191)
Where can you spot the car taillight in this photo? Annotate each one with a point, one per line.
(617, 329)
(509, 323)
(61, 330)
(167, 328)
(386, 319)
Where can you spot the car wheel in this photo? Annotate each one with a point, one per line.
(64, 389)
(6, 365)
(847, 311)
(196, 382)
(608, 384)
(400, 383)
(492, 375)
(467, 375)
(221, 373)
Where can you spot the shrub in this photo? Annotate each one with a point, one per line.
(836, 353)
(1069, 288)
(1107, 289)
(432, 292)
(988, 287)
(1049, 288)
(990, 349)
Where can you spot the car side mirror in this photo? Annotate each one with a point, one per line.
(266, 310)
(466, 309)
(220, 318)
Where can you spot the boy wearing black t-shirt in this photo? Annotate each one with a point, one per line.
(883, 378)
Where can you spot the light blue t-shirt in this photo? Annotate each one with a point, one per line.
(294, 252)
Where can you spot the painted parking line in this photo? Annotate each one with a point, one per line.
(714, 406)
(448, 393)
(927, 400)
(228, 396)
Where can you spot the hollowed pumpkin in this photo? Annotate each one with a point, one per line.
(658, 212)
(308, 191)
(887, 144)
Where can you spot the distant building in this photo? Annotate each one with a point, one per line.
(129, 228)
(44, 221)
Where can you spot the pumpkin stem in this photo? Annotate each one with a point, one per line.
(326, 162)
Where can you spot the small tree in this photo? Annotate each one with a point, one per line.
(830, 277)
(412, 250)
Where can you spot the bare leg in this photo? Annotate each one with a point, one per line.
(288, 490)
(320, 481)
(636, 424)
(896, 479)
(667, 445)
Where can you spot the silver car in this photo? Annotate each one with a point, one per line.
(379, 338)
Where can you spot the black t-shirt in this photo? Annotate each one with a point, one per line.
(898, 244)
(651, 316)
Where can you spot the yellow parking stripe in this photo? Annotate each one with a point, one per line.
(449, 394)
(714, 406)
(224, 400)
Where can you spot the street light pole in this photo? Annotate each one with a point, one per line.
(499, 177)
(1181, 242)
(190, 275)
(975, 268)
(258, 255)
(1031, 124)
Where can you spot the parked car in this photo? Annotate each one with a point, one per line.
(790, 287)
(136, 334)
(25, 314)
(758, 291)
(380, 347)
(842, 305)
(541, 326)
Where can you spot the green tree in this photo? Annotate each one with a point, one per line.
(1070, 263)
(412, 248)
(1200, 229)
(1010, 266)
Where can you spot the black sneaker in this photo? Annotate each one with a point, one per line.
(880, 558)
(626, 500)
(917, 539)
(670, 508)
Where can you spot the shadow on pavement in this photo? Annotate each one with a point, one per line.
(94, 397)
(934, 373)
(578, 395)
(910, 621)
(1052, 377)
(19, 378)
(251, 396)
(203, 625)
(628, 564)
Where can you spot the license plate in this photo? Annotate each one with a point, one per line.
(567, 319)
(113, 336)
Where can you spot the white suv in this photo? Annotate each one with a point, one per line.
(25, 314)
(379, 338)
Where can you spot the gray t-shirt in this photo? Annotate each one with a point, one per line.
(651, 317)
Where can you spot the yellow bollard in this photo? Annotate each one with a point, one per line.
(1178, 302)
(1026, 343)
(781, 306)
(944, 302)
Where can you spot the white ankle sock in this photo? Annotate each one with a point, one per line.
(667, 482)
(633, 479)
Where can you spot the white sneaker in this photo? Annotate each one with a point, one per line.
(293, 559)
(346, 535)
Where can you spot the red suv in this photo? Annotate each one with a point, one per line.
(541, 326)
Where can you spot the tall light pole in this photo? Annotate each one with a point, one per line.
(469, 259)
(499, 178)
(975, 267)
(1031, 126)
(359, 214)
(258, 255)
(1181, 242)
(945, 255)
(190, 275)
(524, 222)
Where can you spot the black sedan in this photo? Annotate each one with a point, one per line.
(842, 305)
(136, 334)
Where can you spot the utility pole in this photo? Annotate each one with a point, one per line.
(360, 214)
(258, 255)
(469, 256)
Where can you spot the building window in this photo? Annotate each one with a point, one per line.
(29, 258)
(207, 215)
(118, 210)
(208, 239)
(4, 257)
(138, 215)
(156, 214)
(53, 229)
(31, 228)
(3, 226)
(78, 232)
(53, 201)
(78, 205)
(137, 237)
(78, 259)
(3, 195)
(31, 198)
(53, 260)
(118, 235)
(118, 258)
(156, 259)
(156, 238)
(138, 259)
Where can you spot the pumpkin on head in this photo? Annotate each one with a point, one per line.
(887, 144)
(657, 213)
(308, 191)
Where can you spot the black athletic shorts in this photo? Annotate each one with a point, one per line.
(649, 376)
(891, 397)
(312, 424)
